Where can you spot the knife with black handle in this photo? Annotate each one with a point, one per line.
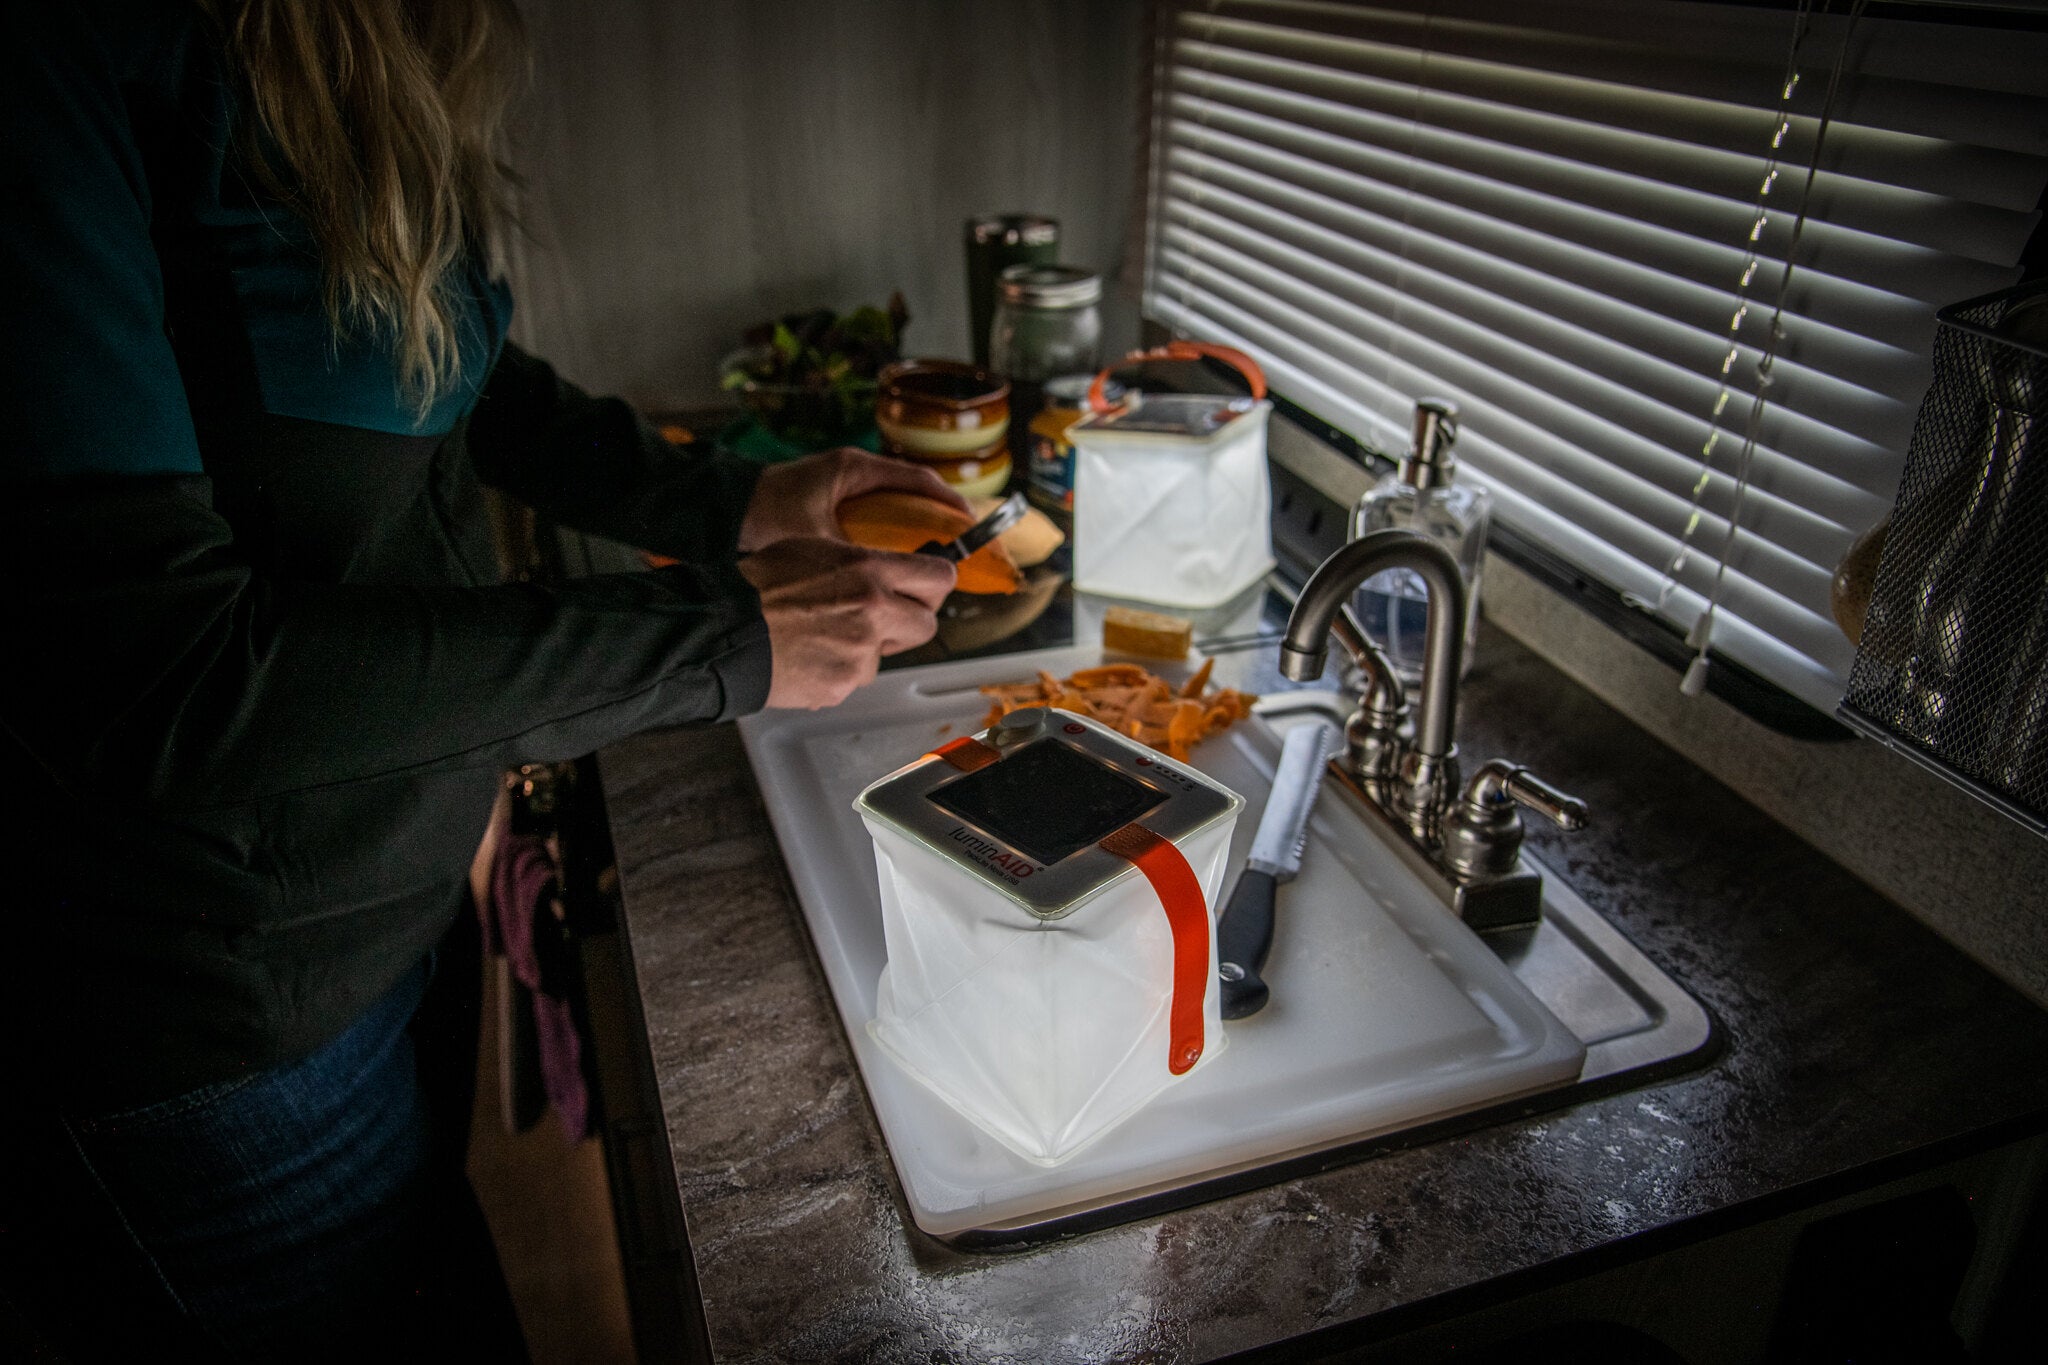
(1245, 933)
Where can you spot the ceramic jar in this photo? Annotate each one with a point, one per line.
(950, 415)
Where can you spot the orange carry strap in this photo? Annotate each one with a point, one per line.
(1254, 377)
(1180, 895)
(966, 753)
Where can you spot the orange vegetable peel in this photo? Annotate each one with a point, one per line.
(1133, 702)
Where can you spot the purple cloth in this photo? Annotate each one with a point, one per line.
(522, 885)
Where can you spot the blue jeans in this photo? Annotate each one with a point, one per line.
(310, 1212)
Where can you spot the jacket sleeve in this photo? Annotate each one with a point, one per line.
(592, 464)
(154, 666)
(149, 662)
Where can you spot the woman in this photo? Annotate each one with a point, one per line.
(255, 371)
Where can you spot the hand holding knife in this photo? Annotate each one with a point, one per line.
(1245, 933)
(1006, 514)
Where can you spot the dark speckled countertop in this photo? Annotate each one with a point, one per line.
(1859, 1046)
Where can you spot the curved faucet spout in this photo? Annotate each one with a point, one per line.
(1303, 651)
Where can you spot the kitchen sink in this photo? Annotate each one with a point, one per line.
(1629, 1015)
(1391, 1022)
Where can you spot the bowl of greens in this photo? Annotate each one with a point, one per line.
(809, 378)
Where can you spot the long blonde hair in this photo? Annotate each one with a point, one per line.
(379, 123)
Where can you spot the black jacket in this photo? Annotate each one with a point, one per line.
(259, 677)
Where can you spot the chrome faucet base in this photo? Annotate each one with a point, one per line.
(1497, 903)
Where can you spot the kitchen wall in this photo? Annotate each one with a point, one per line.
(695, 168)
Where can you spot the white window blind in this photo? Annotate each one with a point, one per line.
(1544, 212)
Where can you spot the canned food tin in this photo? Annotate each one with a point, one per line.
(1049, 479)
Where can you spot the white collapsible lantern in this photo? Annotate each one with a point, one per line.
(1172, 503)
(1043, 985)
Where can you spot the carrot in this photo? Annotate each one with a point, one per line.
(904, 522)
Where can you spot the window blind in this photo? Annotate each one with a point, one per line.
(1544, 211)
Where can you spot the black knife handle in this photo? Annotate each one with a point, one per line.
(1243, 938)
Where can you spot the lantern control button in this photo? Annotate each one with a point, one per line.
(1018, 725)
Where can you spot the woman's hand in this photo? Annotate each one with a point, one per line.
(802, 497)
(834, 610)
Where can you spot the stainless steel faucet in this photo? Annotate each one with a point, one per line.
(1428, 771)
(1469, 844)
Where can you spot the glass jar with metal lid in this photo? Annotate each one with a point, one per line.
(1047, 324)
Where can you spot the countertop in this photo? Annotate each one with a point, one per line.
(1859, 1047)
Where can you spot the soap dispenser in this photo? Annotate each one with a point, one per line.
(1422, 495)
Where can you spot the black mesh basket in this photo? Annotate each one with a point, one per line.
(1952, 669)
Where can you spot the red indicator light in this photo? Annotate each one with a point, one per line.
(1076, 729)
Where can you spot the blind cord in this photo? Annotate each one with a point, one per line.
(1802, 29)
(1700, 638)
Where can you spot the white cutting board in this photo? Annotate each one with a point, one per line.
(1387, 1012)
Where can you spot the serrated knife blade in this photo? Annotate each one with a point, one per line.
(1276, 848)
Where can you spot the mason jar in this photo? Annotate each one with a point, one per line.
(1048, 323)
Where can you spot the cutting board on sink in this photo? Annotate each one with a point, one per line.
(1387, 1012)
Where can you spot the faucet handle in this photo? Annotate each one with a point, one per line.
(1566, 812)
(1380, 692)
(1482, 833)
(1378, 732)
